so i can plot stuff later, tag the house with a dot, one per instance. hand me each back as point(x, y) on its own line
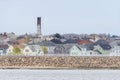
point(75, 51)
point(11, 35)
point(115, 51)
point(115, 43)
point(62, 49)
point(47, 46)
point(82, 50)
point(95, 37)
point(10, 50)
point(48, 38)
point(102, 46)
point(59, 49)
point(15, 49)
point(87, 49)
point(23, 40)
point(32, 50)
point(102, 49)
point(20, 46)
point(13, 42)
point(68, 47)
point(3, 49)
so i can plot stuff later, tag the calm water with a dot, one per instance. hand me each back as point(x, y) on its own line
point(59, 74)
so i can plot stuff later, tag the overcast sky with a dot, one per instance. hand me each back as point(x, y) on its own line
point(60, 16)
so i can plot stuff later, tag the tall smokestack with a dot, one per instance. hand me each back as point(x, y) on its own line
point(39, 25)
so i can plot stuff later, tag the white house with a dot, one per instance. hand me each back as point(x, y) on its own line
point(75, 51)
point(115, 51)
point(33, 50)
point(83, 50)
point(10, 49)
point(49, 45)
point(87, 50)
point(3, 49)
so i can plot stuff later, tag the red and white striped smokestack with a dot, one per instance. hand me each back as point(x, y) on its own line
point(39, 25)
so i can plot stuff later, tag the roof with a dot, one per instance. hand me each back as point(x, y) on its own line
point(88, 46)
point(105, 46)
point(20, 37)
point(19, 46)
point(34, 48)
point(46, 43)
point(71, 41)
point(100, 42)
point(3, 46)
point(56, 41)
point(116, 48)
point(81, 42)
point(115, 43)
point(13, 42)
point(23, 40)
point(68, 46)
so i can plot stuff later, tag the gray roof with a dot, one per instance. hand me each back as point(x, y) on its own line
point(115, 43)
point(116, 47)
point(3, 46)
point(46, 43)
point(34, 48)
point(1, 42)
point(105, 46)
point(101, 42)
point(68, 46)
point(87, 46)
point(71, 41)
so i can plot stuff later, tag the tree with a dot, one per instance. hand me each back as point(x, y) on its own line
point(57, 36)
point(16, 50)
point(45, 49)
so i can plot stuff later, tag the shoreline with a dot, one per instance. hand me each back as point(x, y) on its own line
point(59, 68)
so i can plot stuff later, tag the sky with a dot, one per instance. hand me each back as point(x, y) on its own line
point(60, 16)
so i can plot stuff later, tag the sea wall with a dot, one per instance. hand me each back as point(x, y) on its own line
point(60, 62)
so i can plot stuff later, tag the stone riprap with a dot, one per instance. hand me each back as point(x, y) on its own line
point(60, 62)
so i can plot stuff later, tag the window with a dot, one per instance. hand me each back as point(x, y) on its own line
point(9, 50)
point(90, 52)
point(26, 50)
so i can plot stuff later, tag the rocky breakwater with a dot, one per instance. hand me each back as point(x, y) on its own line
point(57, 62)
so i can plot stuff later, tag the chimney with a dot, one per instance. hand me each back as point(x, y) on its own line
point(39, 25)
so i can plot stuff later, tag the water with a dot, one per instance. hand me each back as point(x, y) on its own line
point(17, 74)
